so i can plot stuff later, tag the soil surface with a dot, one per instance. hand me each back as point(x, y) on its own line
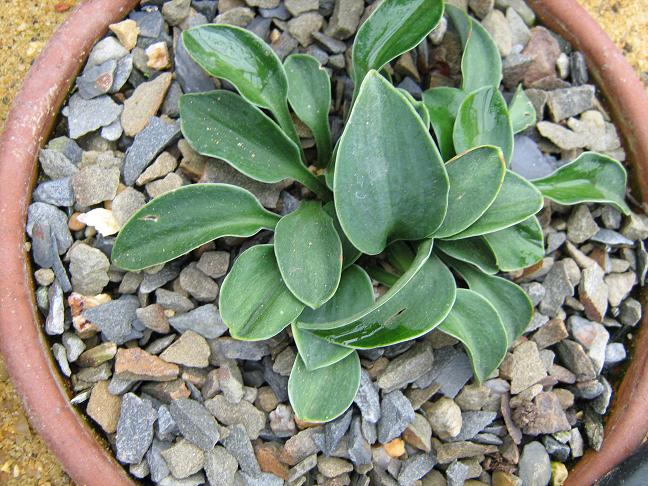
point(26, 25)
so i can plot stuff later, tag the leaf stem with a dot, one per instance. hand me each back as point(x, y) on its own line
point(316, 185)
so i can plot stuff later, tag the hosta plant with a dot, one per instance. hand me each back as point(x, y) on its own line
point(415, 195)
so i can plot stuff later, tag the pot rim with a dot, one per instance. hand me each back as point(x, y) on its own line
point(28, 125)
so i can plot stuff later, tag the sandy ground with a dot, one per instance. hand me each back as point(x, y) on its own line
point(25, 26)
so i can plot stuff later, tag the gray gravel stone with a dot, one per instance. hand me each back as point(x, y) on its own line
point(457, 473)
point(200, 286)
point(243, 413)
point(345, 19)
point(183, 459)
point(48, 229)
point(126, 203)
point(415, 467)
point(85, 116)
point(230, 381)
point(97, 80)
point(592, 336)
point(557, 450)
point(105, 50)
point(593, 292)
point(235, 349)
point(451, 370)
point(367, 398)
point(68, 147)
point(300, 469)
point(89, 269)
point(558, 286)
point(191, 350)
point(576, 360)
point(535, 465)
point(238, 444)
point(473, 423)
point(55, 164)
point(58, 351)
point(220, 467)
point(529, 161)
point(564, 103)
point(122, 73)
point(196, 424)
point(190, 75)
point(57, 192)
point(173, 300)
point(193, 480)
point(329, 439)
point(74, 346)
point(526, 367)
point(407, 368)
point(147, 145)
point(166, 428)
point(263, 479)
point(204, 320)
point(396, 414)
point(55, 321)
point(114, 318)
point(359, 449)
point(95, 184)
point(581, 225)
point(214, 263)
point(134, 429)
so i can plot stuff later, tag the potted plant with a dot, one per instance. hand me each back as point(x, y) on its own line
point(280, 281)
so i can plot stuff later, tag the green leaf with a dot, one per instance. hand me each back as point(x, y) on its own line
point(422, 254)
point(521, 111)
point(309, 94)
point(475, 178)
point(254, 301)
point(400, 256)
point(475, 322)
point(418, 106)
point(243, 59)
point(519, 246)
point(382, 276)
point(481, 63)
point(315, 351)
point(393, 28)
point(443, 105)
point(404, 312)
point(309, 253)
point(221, 124)
point(390, 182)
point(326, 393)
point(483, 119)
point(591, 177)
point(511, 302)
point(179, 221)
point(349, 252)
point(471, 250)
point(354, 294)
point(517, 200)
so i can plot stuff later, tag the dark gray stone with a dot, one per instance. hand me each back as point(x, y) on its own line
point(85, 116)
point(122, 73)
point(451, 370)
point(367, 398)
point(359, 448)
point(457, 473)
point(330, 438)
point(196, 424)
point(280, 12)
point(55, 164)
point(234, 349)
point(97, 80)
point(578, 68)
point(611, 238)
point(396, 414)
point(166, 428)
point(157, 465)
point(568, 102)
point(68, 147)
point(147, 145)
point(154, 281)
point(278, 383)
point(150, 22)
point(238, 444)
point(557, 450)
point(114, 318)
point(207, 8)
point(301, 468)
point(415, 467)
point(134, 429)
point(57, 192)
point(204, 320)
point(48, 229)
point(192, 78)
point(407, 368)
point(529, 161)
point(472, 423)
point(173, 300)
point(332, 45)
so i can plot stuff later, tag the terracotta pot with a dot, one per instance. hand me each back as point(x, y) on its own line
point(45, 397)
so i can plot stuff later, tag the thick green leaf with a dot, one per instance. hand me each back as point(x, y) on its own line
point(483, 119)
point(181, 220)
point(443, 105)
point(521, 111)
point(315, 351)
point(324, 394)
point(400, 256)
point(254, 301)
point(349, 252)
point(517, 200)
point(222, 124)
point(591, 177)
point(354, 294)
point(382, 276)
point(519, 246)
point(390, 182)
point(309, 94)
point(393, 28)
point(243, 59)
point(418, 106)
point(481, 64)
point(475, 322)
point(309, 253)
point(471, 250)
point(475, 178)
point(511, 302)
point(422, 254)
point(404, 312)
